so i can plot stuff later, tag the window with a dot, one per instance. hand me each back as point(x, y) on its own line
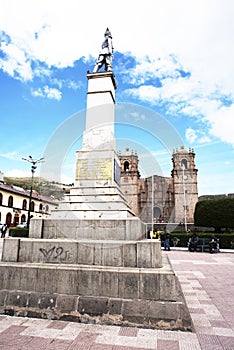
point(32, 205)
point(157, 213)
point(8, 219)
point(24, 205)
point(184, 163)
point(23, 218)
point(41, 207)
point(1, 198)
point(126, 166)
point(10, 202)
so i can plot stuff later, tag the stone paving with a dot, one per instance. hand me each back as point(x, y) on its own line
point(207, 283)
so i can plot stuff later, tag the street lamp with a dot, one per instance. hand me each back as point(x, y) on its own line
point(185, 203)
point(33, 169)
point(152, 204)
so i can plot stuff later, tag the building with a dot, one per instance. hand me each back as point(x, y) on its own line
point(157, 198)
point(14, 202)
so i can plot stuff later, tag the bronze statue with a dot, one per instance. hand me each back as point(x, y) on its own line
point(106, 54)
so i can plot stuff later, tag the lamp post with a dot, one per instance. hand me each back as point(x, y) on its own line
point(152, 204)
point(185, 203)
point(33, 169)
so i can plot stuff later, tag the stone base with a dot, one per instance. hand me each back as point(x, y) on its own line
point(98, 310)
point(130, 296)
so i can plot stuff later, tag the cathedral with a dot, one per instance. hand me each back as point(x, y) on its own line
point(161, 199)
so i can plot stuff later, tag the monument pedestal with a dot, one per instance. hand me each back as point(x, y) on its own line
point(90, 261)
point(128, 296)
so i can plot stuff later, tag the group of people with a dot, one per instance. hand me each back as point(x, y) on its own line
point(192, 244)
point(194, 240)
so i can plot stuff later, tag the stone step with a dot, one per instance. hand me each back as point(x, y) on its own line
point(102, 281)
point(93, 198)
point(91, 214)
point(76, 228)
point(100, 190)
point(141, 254)
point(99, 205)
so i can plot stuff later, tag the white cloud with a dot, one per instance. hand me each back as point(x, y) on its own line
point(190, 135)
point(47, 92)
point(10, 155)
point(204, 139)
point(37, 93)
point(222, 125)
point(52, 93)
point(57, 33)
point(191, 98)
point(75, 85)
point(198, 136)
point(147, 93)
point(70, 84)
point(164, 36)
point(16, 63)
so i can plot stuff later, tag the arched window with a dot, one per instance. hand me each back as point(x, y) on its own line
point(47, 208)
point(126, 166)
point(24, 205)
point(157, 213)
point(16, 219)
point(8, 219)
point(10, 202)
point(1, 198)
point(41, 207)
point(23, 218)
point(32, 206)
point(184, 163)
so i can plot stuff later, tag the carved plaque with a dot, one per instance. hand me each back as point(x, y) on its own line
point(94, 169)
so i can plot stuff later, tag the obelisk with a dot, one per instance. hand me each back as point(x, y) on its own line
point(97, 192)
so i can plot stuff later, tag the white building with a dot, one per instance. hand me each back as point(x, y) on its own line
point(14, 204)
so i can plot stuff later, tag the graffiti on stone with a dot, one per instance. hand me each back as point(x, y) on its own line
point(56, 254)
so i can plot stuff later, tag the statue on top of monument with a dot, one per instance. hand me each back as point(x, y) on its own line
point(106, 54)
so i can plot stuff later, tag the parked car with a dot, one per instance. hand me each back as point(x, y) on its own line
point(22, 225)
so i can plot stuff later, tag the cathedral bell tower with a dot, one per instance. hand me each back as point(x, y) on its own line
point(129, 178)
point(184, 176)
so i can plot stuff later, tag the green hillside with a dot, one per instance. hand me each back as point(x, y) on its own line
point(42, 186)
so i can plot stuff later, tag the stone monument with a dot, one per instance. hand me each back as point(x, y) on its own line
point(91, 261)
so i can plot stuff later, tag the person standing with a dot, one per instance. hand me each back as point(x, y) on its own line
point(213, 244)
point(3, 231)
point(167, 242)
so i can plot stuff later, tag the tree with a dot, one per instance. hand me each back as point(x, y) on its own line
point(217, 213)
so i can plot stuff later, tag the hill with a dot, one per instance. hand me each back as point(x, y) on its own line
point(42, 186)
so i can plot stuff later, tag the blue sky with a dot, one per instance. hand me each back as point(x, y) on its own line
point(173, 63)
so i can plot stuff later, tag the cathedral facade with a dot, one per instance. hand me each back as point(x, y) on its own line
point(157, 198)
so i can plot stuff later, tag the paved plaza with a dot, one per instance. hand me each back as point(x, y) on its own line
point(208, 286)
